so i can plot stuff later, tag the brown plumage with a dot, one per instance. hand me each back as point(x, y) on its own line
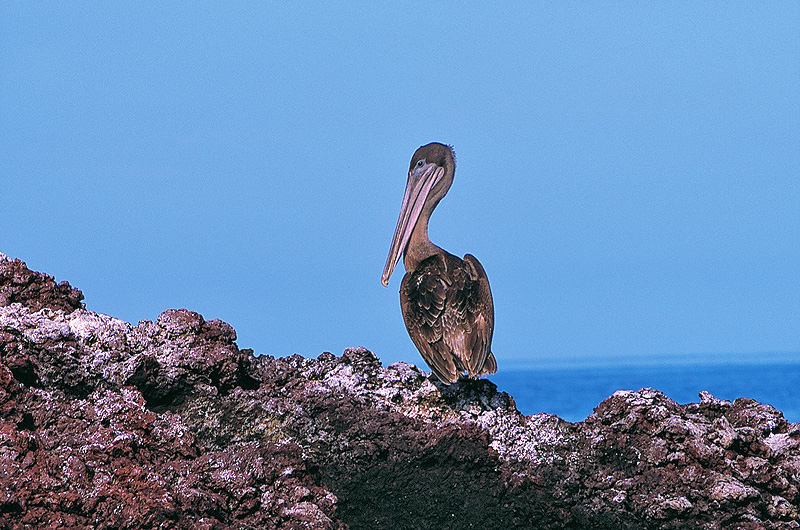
point(446, 301)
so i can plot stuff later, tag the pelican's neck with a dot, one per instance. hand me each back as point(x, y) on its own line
point(419, 246)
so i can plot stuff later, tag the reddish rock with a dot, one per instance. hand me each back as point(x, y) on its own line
point(87, 440)
point(18, 284)
point(167, 424)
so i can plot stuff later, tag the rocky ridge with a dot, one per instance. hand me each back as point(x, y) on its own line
point(168, 424)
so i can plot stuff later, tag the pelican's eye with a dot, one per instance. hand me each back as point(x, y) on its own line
point(420, 162)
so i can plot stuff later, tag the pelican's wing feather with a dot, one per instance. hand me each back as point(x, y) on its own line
point(449, 315)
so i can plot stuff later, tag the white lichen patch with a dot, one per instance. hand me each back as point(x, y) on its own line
point(730, 489)
point(782, 443)
point(91, 326)
point(38, 326)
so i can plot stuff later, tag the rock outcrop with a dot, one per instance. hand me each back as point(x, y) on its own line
point(168, 424)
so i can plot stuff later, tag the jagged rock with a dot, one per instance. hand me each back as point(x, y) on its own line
point(167, 424)
point(34, 289)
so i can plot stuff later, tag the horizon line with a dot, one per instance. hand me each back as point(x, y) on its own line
point(658, 360)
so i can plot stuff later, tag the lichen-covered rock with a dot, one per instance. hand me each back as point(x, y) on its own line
point(167, 424)
point(108, 462)
point(82, 351)
point(87, 439)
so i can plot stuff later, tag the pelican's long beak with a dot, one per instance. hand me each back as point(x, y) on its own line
point(420, 183)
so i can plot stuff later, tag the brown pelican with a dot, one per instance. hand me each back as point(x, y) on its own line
point(446, 301)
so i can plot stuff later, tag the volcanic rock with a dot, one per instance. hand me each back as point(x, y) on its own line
point(168, 424)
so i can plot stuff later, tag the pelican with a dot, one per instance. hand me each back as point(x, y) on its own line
point(446, 301)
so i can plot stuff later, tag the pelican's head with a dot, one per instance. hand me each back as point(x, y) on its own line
point(430, 175)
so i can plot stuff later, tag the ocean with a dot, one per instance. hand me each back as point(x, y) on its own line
point(572, 393)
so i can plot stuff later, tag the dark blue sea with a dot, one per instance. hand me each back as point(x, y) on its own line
point(572, 393)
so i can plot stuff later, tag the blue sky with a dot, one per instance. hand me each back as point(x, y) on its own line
point(628, 174)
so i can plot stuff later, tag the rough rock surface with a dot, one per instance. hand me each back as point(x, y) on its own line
point(168, 424)
point(34, 289)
